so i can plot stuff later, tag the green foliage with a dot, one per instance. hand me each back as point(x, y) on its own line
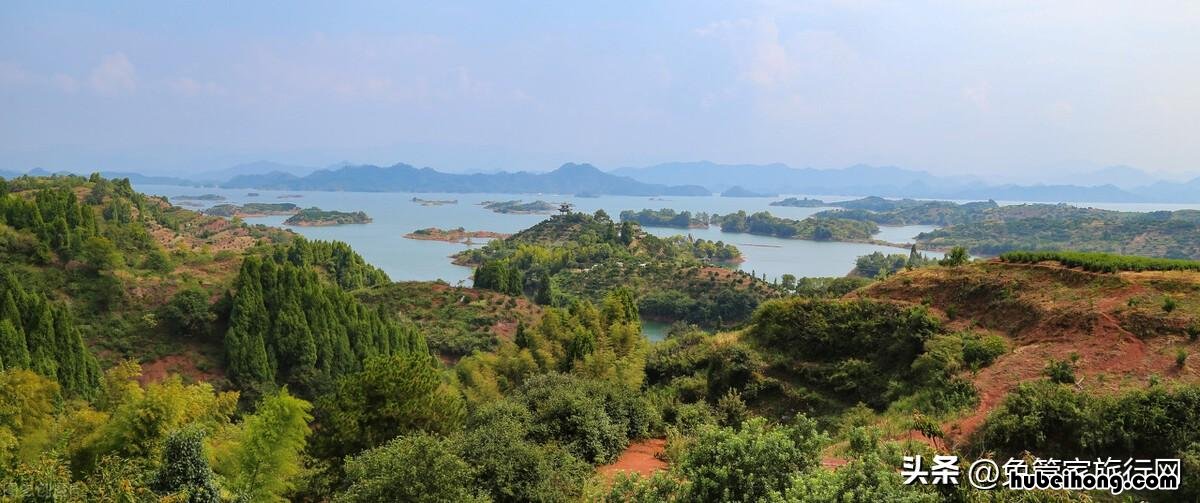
point(265, 454)
point(317, 216)
point(1053, 419)
point(593, 420)
point(1102, 262)
point(188, 312)
point(1169, 304)
point(509, 466)
point(666, 217)
point(857, 349)
point(873, 474)
point(749, 463)
point(420, 468)
point(1181, 357)
point(1036, 227)
point(391, 396)
point(818, 229)
point(1060, 371)
point(27, 407)
point(877, 264)
point(185, 473)
point(289, 326)
point(43, 336)
point(957, 256)
point(579, 256)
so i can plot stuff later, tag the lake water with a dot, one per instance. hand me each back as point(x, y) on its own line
point(382, 242)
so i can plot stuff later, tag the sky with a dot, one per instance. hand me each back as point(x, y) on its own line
point(999, 89)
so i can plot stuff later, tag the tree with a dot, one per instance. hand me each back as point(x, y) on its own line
point(27, 405)
point(421, 468)
point(267, 452)
point(185, 471)
point(391, 396)
point(14, 353)
point(750, 463)
point(956, 257)
point(510, 467)
point(188, 312)
point(99, 254)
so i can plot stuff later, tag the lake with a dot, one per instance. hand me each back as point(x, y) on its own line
point(382, 242)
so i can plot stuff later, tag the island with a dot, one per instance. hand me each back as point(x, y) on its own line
point(456, 235)
point(538, 207)
point(290, 196)
point(316, 217)
point(816, 229)
point(252, 210)
point(795, 202)
point(433, 202)
point(739, 191)
point(202, 197)
point(252, 194)
point(666, 217)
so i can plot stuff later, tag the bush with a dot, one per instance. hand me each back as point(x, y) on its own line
point(188, 312)
point(418, 468)
point(750, 463)
point(1102, 262)
point(956, 257)
point(1169, 304)
point(1060, 371)
point(1181, 357)
point(594, 420)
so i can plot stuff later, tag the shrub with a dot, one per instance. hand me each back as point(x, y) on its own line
point(188, 312)
point(1060, 371)
point(1102, 262)
point(956, 257)
point(1181, 357)
point(1169, 304)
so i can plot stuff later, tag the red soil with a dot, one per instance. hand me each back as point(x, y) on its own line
point(640, 457)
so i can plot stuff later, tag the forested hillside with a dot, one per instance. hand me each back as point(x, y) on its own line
point(150, 353)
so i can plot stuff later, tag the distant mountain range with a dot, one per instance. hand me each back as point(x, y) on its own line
point(254, 168)
point(889, 181)
point(1116, 184)
point(568, 179)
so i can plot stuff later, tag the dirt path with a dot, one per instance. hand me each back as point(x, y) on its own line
point(641, 457)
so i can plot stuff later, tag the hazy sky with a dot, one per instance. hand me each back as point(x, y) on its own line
point(960, 87)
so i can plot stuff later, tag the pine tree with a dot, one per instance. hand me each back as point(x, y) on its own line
point(185, 469)
point(245, 347)
point(13, 350)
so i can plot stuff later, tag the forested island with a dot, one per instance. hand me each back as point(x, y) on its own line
point(434, 202)
point(666, 217)
point(316, 217)
point(202, 197)
point(987, 228)
point(816, 229)
point(252, 210)
point(801, 203)
point(739, 191)
point(456, 235)
point(538, 207)
point(150, 353)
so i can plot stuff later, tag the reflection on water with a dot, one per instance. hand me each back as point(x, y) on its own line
point(655, 331)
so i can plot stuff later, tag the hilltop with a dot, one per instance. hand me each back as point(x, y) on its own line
point(581, 256)
point(1117, 324)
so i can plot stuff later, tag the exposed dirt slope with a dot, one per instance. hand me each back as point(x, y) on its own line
point(1117, 324)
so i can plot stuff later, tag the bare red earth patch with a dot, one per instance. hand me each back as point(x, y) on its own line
point(640, 457)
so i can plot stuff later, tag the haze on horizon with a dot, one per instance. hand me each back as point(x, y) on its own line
point(997, 89)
